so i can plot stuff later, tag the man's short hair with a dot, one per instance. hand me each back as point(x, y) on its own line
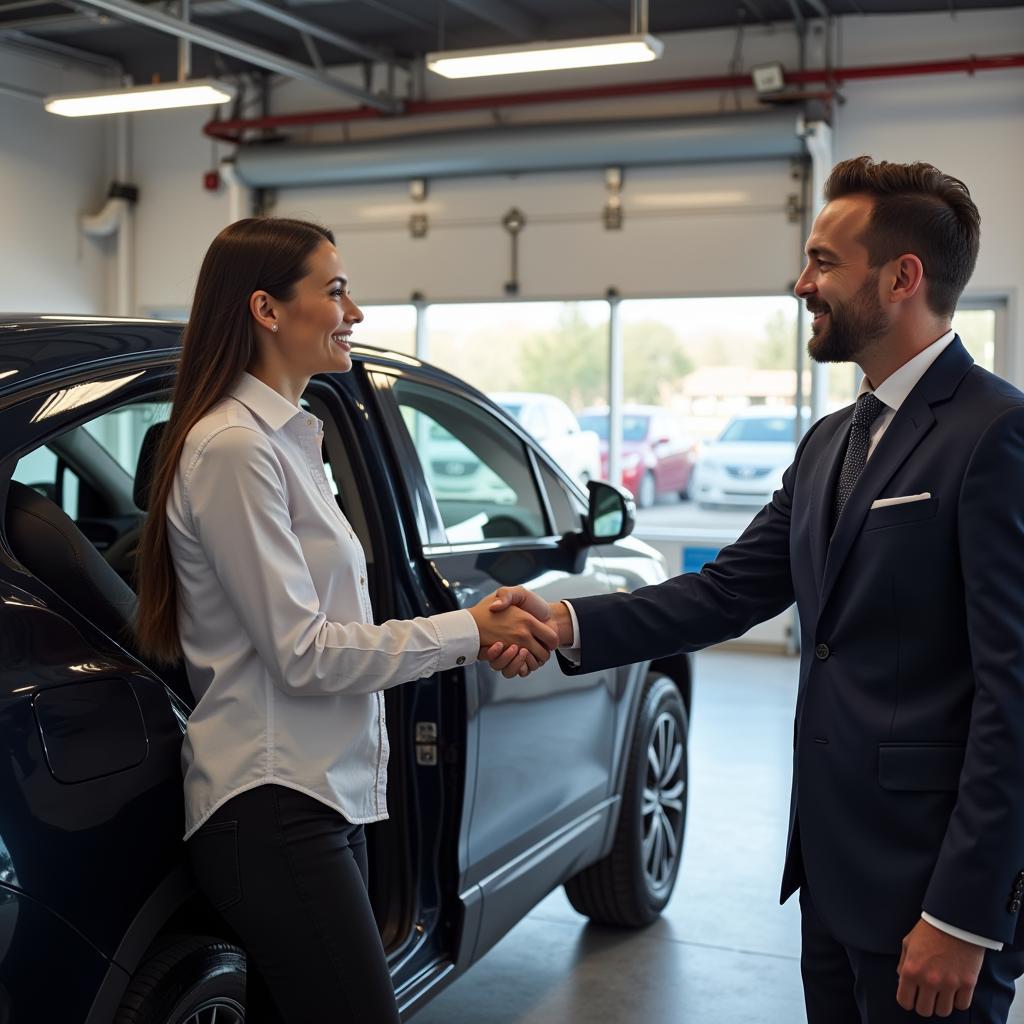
point(918, 210)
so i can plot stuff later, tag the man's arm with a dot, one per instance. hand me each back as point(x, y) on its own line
point(980, 866)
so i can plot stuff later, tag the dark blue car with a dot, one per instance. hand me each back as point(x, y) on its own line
point(500, 789)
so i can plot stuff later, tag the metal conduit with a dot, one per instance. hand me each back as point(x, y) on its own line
point(514, 149)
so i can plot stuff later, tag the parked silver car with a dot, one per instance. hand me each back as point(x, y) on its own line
point(743, 467)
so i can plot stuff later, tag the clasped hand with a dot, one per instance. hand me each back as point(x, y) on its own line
point(517, 631)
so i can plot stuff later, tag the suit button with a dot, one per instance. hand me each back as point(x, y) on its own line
point(1014, 906)
point(821, 652)
point(460, 660)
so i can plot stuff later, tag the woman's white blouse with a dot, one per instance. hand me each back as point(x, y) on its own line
point(275, 619)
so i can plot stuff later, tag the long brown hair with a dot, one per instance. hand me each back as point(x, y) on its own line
point(917, 209)
point(257, 254)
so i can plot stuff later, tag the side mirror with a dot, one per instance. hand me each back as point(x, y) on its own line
point(611, 514)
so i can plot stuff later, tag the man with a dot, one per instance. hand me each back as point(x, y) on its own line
point(899, 532)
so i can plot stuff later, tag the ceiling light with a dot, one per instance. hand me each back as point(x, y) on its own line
point(555, 56)
point(197, 92)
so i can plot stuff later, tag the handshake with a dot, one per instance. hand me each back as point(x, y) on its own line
point(519, 630)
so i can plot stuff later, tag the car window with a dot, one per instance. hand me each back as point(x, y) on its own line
point(121, 431)
point(762, 428)
point(568, 511)
point(477, 470)
point(597, 422)
point(44, 472)
point(119, 434)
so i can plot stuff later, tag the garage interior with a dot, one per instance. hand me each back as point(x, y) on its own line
point(485, 224)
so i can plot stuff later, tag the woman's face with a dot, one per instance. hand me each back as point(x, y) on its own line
point(315, 325)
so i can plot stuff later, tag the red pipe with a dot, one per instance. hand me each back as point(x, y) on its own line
point(231, 131)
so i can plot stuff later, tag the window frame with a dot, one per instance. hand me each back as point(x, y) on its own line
point(435, 540)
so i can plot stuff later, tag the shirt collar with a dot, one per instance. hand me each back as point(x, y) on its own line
point(894, 389)
point(263, 401)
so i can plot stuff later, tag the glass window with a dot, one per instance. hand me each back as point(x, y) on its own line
point(388, 327)
point(121, 431)
point(977, 330)
point(44, 472)
point(520, 343)
point(477, 470)
point(567, 509)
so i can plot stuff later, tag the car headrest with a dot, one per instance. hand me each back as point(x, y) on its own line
point(146, 465)
point(55, 551)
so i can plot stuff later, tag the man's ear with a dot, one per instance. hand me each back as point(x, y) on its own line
point(907, 277)
point(261, 305)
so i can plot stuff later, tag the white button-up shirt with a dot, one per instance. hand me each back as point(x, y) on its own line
point(275, 620)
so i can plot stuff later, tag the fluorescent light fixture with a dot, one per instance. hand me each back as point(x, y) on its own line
point(197, 92)
point(555, 56)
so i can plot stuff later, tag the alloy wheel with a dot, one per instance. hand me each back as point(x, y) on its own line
point(662, 806)
point(220, 1010)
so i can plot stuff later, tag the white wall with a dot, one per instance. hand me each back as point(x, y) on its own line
point(176, 218)
point(969, 126)
point(52, 170)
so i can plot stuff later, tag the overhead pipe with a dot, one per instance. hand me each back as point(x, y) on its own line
point(231, 131)
point(767, 135)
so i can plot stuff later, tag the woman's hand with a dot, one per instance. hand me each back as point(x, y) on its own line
point(514, 639)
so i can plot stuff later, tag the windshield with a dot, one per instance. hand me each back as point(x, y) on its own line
point(764, 428)
point(634, 428)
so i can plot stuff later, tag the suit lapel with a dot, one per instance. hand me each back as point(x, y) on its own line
point(909, 426)
point(822, 497)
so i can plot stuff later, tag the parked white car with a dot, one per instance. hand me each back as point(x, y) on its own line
point(553, 424)
point(744, 466)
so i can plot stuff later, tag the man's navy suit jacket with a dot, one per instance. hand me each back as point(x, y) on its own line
point(908, 777)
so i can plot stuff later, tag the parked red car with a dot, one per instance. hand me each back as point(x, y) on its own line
point(657, 458)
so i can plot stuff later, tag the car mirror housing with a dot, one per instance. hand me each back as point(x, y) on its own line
point(611, 514)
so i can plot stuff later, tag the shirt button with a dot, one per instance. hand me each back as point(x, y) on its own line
point(460, 660)
point(821, 652)
point(362, 579)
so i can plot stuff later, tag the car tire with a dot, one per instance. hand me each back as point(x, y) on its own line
point(647, 492)
point(183, 980)
point(632, 885)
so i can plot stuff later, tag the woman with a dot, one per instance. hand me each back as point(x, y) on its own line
point(255, 577)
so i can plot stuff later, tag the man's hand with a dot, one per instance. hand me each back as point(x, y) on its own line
point(514, 639)
point(937, 971)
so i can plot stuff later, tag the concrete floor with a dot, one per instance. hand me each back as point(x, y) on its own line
point(724, 950)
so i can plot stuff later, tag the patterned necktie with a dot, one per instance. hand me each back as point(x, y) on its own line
point(867, 410)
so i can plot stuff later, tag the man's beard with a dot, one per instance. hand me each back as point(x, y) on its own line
point(850, 328)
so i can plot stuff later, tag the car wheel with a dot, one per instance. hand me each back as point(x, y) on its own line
point(647, 491)
point(631, 886)
point(187, 980)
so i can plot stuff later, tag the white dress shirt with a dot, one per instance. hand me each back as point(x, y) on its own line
point(275, 620)
point(893, 392)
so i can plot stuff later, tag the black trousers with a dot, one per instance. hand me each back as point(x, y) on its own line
point(288, 875)
point(843, 985)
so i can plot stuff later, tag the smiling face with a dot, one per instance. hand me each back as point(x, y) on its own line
point(839, 286)
point(315, 325)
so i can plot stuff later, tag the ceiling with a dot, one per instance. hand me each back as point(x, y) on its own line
point(398, 29)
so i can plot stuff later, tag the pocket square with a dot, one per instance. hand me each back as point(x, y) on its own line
point(906, 499)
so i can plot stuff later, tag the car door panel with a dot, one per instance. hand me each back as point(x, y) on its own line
point(543, 744)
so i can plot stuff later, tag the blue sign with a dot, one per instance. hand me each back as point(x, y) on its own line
point(694, 559)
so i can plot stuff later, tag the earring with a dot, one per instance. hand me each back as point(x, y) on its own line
point(274, 328)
